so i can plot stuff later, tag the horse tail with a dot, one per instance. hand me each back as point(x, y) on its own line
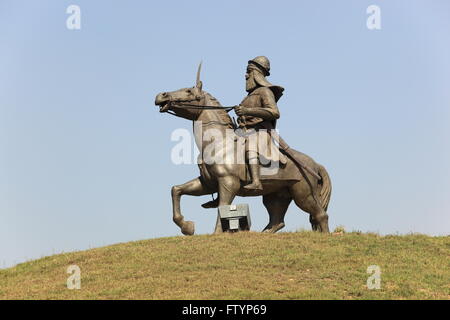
point(325, 189)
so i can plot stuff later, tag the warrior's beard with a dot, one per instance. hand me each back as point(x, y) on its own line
point(250, 84)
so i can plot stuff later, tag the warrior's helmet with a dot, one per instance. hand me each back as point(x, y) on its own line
point(261, 66)
point(263, 63)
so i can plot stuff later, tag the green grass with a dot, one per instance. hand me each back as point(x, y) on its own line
point(300, 265)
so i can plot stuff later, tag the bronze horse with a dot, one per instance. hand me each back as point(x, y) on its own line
point(309, 193)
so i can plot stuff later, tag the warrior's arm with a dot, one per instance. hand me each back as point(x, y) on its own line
point(269, 109)
point(262, 113)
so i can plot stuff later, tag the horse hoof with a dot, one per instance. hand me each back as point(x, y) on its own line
point(188, 228)
point(274, 228)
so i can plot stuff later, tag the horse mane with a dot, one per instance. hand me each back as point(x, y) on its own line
point(212, 100)
point(223, 115)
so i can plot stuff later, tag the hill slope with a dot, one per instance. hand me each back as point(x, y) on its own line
point(303, 265)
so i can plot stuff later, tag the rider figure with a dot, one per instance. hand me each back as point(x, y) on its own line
point(258, 111)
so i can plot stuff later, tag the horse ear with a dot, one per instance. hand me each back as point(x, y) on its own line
point(198, 83)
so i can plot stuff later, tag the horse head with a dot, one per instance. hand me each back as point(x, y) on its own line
point(173, 101)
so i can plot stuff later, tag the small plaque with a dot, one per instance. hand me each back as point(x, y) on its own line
point(235, 217)
point(234, 224)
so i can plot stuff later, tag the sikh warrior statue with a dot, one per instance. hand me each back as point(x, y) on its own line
point(257, 116)
point(258, 111)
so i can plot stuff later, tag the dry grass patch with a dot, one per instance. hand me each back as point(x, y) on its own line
point(300, 265)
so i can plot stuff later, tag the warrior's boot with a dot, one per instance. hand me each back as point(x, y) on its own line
point(256, 183)
point(211, 204)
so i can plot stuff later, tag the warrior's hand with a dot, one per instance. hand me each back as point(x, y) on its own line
point(240, 110)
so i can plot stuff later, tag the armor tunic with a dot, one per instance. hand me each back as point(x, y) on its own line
point(261, 97)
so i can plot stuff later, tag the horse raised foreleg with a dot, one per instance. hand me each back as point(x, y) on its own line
point(194, 187)
point(228, 188)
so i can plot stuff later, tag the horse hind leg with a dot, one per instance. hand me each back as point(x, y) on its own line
point(276, 205)
point(310, 204)
point(314, 223)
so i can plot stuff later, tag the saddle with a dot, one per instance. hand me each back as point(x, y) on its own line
point(263, 144)
point(269, 170)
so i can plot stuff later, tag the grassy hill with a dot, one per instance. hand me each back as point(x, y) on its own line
point(301, 265)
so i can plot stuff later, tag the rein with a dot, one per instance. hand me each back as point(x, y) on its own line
point(186, 104)
point(202, 107)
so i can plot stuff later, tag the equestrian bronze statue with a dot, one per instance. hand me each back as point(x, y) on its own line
point(269, 167)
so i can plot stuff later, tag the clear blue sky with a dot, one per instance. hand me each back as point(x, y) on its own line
point(85, 155)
